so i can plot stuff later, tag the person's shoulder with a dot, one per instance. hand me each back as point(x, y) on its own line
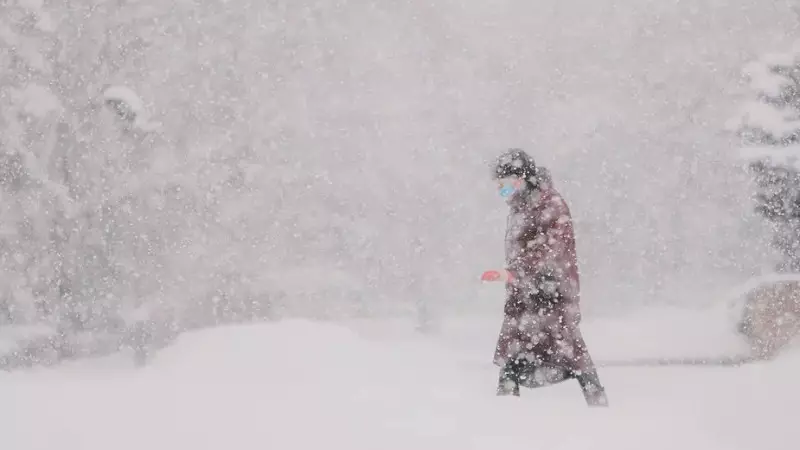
point(548, 193)
point(552, 200)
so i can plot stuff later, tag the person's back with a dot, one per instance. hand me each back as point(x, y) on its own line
point(540, 238)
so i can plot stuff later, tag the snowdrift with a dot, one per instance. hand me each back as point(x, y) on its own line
point(306, 385)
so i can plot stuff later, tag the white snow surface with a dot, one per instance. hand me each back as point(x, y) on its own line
point(377, 385)
point(788, 156)
point(778, 122)
point(125, 94)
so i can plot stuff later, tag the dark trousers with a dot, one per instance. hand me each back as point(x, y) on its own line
point(520, 372)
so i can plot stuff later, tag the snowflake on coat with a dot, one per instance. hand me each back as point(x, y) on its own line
point(540, 244)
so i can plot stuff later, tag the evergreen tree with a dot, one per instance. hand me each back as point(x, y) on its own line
point(769, 127)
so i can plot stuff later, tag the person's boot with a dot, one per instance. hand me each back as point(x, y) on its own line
point(593, 391)
point(508, 384)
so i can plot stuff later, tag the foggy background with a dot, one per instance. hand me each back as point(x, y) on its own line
point(333, 158)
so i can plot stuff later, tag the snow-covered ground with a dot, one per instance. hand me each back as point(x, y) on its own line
point(378, 385)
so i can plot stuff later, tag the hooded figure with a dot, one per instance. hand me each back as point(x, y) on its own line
point(540, 342)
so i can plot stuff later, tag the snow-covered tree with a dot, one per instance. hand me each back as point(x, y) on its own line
point(80, 235)
point(105, 211)
point(769, 126)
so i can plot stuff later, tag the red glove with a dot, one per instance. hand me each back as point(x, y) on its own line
point(496, 275)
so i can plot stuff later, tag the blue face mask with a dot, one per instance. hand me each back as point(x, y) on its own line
point(507, 188)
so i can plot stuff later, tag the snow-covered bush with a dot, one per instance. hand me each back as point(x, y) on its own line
point(770, 318)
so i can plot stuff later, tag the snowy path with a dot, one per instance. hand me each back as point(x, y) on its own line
point(301, 385)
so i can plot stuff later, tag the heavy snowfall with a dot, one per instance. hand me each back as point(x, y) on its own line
point(262, 224)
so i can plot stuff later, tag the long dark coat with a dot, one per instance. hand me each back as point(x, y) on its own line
point(542, 309)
